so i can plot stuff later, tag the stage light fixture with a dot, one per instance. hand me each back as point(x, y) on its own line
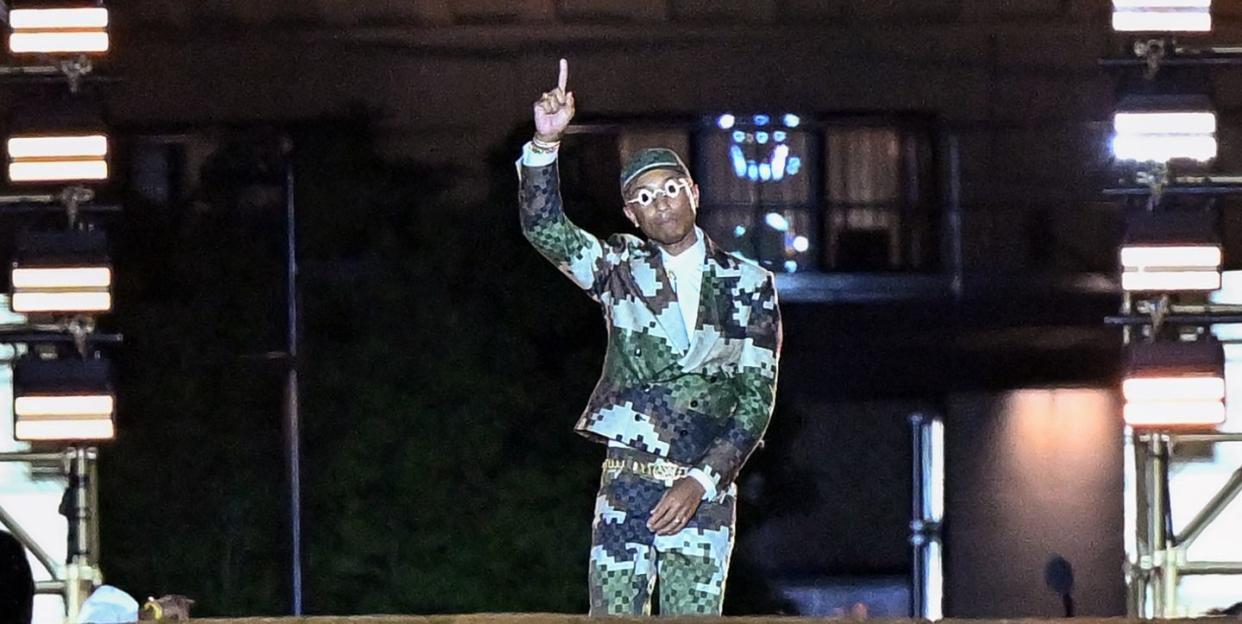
point(63, 399)
point(59, 30)
point(57, 140)
point(1174, 384)
point(1171, 252)
point(1163, 128)
point(68, 157)
point(1162, 16)
point(61, 273)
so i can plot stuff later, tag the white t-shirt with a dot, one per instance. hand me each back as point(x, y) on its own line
point(685, 271)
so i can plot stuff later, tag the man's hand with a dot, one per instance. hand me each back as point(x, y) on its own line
point(676, 507)
point(554, 109)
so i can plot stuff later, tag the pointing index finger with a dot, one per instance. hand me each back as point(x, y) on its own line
point(563, 79)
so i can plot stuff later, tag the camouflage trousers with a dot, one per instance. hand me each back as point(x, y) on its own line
point(627, 559)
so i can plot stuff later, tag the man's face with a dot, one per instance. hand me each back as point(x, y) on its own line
point(671, 202)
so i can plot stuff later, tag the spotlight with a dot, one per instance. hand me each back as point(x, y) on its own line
point(63, 399)
point(57, 140)
point(1161, 128)
point(1171, 252)
point(58, 158)
point(61, 273)
point(61, 30)
point(1162, 15)
point(1175, 384)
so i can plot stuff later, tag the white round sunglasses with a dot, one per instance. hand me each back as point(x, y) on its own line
point(672, 188)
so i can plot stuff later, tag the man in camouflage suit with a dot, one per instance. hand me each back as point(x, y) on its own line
point(689, 378)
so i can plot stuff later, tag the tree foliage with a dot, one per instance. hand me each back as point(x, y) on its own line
point(442, 366)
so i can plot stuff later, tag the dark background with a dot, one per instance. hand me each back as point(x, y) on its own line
point(443, 362)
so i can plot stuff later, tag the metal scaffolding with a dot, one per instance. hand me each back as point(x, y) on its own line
point(1160, 560)
point(79, 575)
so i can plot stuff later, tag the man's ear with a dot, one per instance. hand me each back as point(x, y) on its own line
point(629, 214)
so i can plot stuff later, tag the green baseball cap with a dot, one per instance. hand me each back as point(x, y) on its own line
point(651, 158)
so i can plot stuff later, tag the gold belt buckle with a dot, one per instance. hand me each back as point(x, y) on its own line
point(666, 471)
point(639, 468)
point(658, 469)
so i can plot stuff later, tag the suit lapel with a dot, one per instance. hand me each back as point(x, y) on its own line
point(658, 294)
point(719, 282)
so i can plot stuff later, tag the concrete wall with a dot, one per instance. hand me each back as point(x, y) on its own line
point(1031, 475)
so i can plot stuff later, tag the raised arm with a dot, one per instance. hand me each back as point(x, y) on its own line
point(577, 253)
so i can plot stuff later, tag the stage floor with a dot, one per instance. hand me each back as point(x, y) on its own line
point(563, 618)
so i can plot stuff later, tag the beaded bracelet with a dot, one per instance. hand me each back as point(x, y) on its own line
point(544, 147)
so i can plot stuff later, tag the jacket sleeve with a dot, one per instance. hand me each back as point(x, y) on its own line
point(755, 385)
point(574, 251)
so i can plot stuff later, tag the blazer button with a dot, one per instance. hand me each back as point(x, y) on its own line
point(694, 403)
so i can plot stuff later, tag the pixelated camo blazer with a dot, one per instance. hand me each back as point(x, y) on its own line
point(705, 403)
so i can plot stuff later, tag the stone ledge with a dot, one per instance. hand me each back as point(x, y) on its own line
point(565, 618)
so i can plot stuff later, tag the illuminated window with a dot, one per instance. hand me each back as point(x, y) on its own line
point(877, 212)
point(756, 172)
point(766, 195)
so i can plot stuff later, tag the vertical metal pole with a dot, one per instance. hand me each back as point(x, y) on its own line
point(1156, 513)
point(1170, 558)
point(80, 574)
point(292, 415)
point(927, 587)
point(1138, 569)
point(81, 504)
point(74, 596)
point(1127, 332)
point(93, 505)
point(918, 585)
point(953, 214)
